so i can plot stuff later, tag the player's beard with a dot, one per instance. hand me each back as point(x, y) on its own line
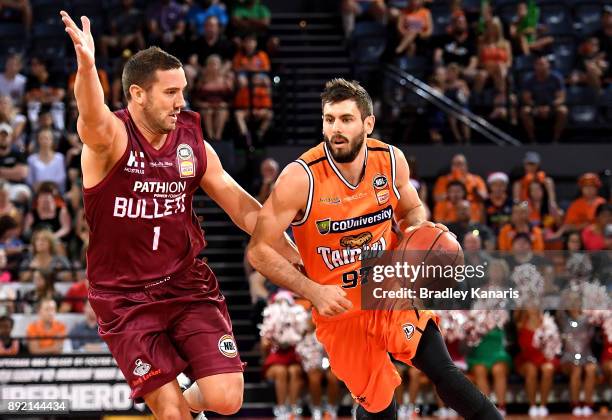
point(157, 124)
point(353, 150)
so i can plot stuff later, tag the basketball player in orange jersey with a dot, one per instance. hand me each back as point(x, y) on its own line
point(341, 198)
point(158, 306)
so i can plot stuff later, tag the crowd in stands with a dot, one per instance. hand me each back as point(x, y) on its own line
point(520, 64)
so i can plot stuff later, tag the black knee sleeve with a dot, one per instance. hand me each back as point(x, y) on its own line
point(453, 387)
point(389, 413)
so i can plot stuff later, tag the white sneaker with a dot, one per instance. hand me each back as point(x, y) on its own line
point(402, 412)
point(317, 413)
point(296, 412)
point(280, 412)
point(577, 411)
point(587, 411)
point(543, 411)
point(331, 412)
point(201, 416)
point(451, 413)
point(502, 412)
point(533, 412)
point(441, 413)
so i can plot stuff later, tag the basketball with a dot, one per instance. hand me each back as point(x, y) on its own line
point(430, 246)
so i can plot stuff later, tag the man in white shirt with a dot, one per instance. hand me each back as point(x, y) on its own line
point(12, 83)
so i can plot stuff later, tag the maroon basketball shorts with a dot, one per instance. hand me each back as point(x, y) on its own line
point(176, 324)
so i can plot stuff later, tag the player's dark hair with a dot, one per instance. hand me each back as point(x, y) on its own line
point(338, 90)
point(141, 67)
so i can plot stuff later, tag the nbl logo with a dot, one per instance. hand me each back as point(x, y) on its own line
point(408, 330)
point(227, 346)
point(136, 161)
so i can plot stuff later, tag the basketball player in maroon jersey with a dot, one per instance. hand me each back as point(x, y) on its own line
point(159, 308)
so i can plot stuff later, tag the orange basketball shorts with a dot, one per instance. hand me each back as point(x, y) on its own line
point(358, 348)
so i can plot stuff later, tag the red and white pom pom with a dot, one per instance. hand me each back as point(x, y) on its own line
point(481, 321)
point(607, 326)
point(311, 352)
point(547, 337)
point(283, 323)
point(529, 282)
point(451, 324)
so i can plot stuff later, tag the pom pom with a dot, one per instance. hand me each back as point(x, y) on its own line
point(547, 338)
point(284, 324)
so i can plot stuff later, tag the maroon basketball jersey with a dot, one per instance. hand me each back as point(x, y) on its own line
point(142, 224)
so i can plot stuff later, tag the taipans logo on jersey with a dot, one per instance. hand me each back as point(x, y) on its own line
point(227, 346)
point(334, 258)
point(408, 330)
point(185, 161)
point(381, 188)
point(141, 368)
point(328, 225)
point(135, 163)
point(356, 241)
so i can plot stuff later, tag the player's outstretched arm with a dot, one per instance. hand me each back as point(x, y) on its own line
point(97, 126)
point(288, 198)
point(239, 205)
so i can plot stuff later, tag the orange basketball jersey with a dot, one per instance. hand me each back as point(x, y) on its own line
point(341, 220)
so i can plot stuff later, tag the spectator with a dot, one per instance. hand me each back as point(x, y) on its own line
point(581, 211)
point(316, 366)
point(474, 184)
point(498, 206)
point(44, 256)
point(250, 16)
point(76, 296)
point(465, 224)
point(84, 335)
point(457, 90)
point(126, 31)
point(490, 357)
point(166, 25)
point(458, 47)
point(198, 15)
point(592, 65)
point(10, 240)
point(531, 361)
point(269, 171)
point(577, 359)
point(525, 31)
point(44, 88)
point(437, 117)
point(44, 288)
point(46, 165)
point(13, 167)
point(414, 27)
point(5, 275)
point(519, 223)
point(12, 82)
point(16, 11)
point(604, 36)
point(212, 96)
point(495, 59)
point(213, 41)
point(10, 115)
point(543, 99)
point(252, 67)
point(593, 235)
point(446, 211)
point(8, 296)
point(48, 212)
point(46, 335)
point(532, 172)
point(8, 346)
point(352, 9)
point(282, 365)
point(7, 208)
point(543, 211)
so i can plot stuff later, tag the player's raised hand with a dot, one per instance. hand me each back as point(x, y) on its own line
point(330, 300)
point(82, 40)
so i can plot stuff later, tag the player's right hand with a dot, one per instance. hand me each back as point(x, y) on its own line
point(82, 40)
point(330, 300)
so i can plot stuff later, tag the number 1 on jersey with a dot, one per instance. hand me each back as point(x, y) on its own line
point(156, 230)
